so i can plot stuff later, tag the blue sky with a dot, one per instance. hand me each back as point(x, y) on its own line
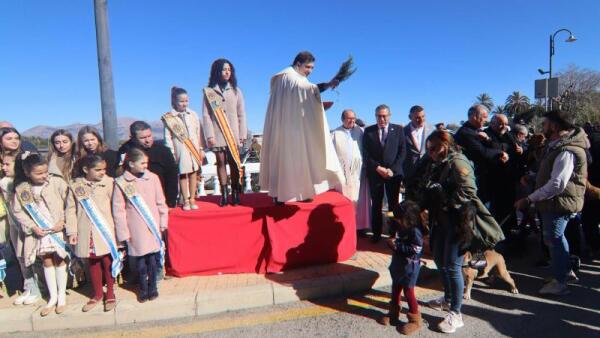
point(439, 54)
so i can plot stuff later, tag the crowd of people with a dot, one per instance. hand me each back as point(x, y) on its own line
point(480, 188)
point(485, 186)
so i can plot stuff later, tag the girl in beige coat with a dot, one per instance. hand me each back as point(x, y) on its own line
point(188, 166)
point(86, 237)
point(48, 194)
point(31, 291)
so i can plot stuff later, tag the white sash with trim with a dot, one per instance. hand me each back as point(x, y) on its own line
point(142, 208)
point(25, 196)
point(89, 206)
point(2, 269)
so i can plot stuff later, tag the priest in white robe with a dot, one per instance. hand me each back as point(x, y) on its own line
point(347, 140)
point(298, 159)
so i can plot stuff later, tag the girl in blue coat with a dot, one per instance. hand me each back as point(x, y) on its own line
point(406, 262)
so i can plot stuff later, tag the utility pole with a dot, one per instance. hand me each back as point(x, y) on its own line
point(107, 90)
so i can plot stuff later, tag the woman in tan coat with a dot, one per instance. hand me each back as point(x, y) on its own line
point(223, 81)
point(98, 188)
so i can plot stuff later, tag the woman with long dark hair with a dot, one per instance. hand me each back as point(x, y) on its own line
point(89, 142)
point(450, 187)
point(225, 125)
point(10, 141)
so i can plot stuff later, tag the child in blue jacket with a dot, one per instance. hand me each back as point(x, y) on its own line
point(406, 262)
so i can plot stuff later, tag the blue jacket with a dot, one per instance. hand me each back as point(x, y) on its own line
point(406, 259)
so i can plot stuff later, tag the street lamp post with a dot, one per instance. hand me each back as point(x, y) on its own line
point(571, 38)
point(543, 72)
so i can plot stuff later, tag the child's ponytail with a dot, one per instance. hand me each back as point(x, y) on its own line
point(410, 213)
point(175, 92)
point(24, 164)
point(134, 154)
point(88, 161)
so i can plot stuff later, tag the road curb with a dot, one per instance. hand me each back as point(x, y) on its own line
point(204, 302)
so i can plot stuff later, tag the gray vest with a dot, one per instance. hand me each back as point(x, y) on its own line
point(571, 199)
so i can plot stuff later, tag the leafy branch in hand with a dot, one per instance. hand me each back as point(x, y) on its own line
point(346, 70)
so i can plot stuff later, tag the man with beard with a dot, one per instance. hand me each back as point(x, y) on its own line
point(560, 186)
point(160, 159)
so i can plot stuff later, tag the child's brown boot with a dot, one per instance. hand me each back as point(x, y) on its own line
point(392, 317)
point(414, 324)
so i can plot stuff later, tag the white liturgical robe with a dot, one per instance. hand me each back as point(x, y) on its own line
point(348, 146)
point(298, 159)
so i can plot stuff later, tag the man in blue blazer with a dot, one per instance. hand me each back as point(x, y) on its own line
point(384, 149)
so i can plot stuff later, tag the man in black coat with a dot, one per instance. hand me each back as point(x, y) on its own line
point(384, 149)
point(160, 159)
point(504, 177)
point(475, 145)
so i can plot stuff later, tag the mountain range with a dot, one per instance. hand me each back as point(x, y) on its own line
point(44, 131)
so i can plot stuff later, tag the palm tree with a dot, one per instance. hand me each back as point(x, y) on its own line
point(516, 103)
point(500, 109)
point(486, 100)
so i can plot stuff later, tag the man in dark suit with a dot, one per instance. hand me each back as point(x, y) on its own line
point(476, 146)
point(384, 149)
point(415, 135)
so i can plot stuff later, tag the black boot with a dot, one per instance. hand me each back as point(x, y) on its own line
point(143, 281)
point(236, 191)
point(224, 195)
point(153, 262)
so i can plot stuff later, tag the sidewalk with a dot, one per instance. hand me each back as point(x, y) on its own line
point(203, 295)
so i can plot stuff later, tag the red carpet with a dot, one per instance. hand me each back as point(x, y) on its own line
point(259, 236)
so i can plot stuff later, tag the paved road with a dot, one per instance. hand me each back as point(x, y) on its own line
point(493, 312)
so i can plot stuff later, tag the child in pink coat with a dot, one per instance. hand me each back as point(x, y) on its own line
point(142, 234)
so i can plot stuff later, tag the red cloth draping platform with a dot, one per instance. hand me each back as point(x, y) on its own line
point(259, 236)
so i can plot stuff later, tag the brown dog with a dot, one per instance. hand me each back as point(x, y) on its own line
point(493, 259)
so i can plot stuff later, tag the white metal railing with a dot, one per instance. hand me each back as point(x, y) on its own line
point(209, 171)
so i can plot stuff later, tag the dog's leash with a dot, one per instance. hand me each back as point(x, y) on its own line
point(504, 220)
